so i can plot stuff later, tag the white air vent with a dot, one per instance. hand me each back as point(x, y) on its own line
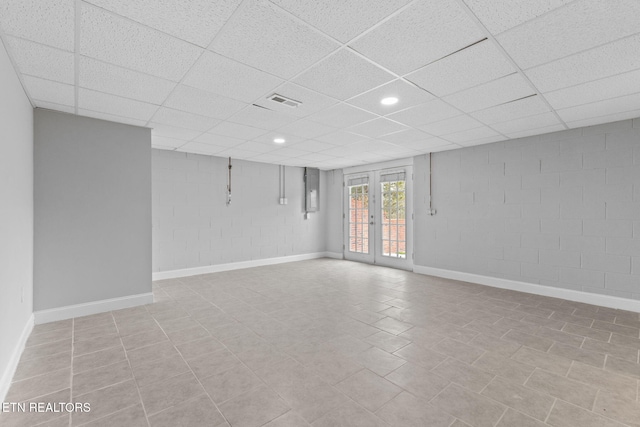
point(284, 100)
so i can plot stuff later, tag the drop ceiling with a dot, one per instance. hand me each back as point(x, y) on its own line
point(200, 72)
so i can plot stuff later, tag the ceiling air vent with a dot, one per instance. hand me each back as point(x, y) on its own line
point(284, 100)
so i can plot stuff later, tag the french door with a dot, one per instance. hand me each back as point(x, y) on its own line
point(378, 217)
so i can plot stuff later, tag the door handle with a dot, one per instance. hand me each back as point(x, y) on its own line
point(371, 223)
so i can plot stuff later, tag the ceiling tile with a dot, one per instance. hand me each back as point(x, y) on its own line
point(469, 67)
point(408, 135)
point(266, 158)
point(161, 141)
point(217, 74)
point(134, 46)
point(200, 148)
point(341, 138)
point(48, 22)
point(286, 152)
point(512, 110)
point(604, 119)
point(316, 157)
point(41, 61)
point(454, 124)
point(443, 148)
point(499, 91)
point(58, 93)
point(196, 21)
point(306, 129)
point(430, 112)
point(261, 118)
point(427, 145)
point(171, 117)
point(237, 153)
point(471, 135)
point(310, 101)
point(53, 106)
point(198, 101)
point(111, 104)
point(482, 141)
point(123, 82)
point(500, 15)
point(538, 131)
point(263, 36)
point(219, 140)
point(341, 19)
point(423, 33)
point(236, 130)
point(258, 147)
point(408, 96)
point(578, 26)
point(525, 123)
point(598, 90)
point(613, 58)
point(341, 116)
point(601, 108)
point(268, 138)
point(332, 78)
point(173, 132)
point(377, 127)
point(313, 145)
point(111, 117)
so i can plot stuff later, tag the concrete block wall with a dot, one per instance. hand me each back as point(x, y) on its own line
point(193, 226)
point(561, 210)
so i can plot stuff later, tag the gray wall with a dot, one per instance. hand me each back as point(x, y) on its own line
point(559, 210)
point(92, 210)
point(16, 214)
point(193, 226)
point(334, 225)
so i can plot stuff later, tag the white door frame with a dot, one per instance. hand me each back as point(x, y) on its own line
point(374, 255)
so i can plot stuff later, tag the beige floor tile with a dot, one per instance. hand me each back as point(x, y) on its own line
point(196, 412)
point(33, 367)
point(349, 414)
point(604, 380)
point(578, 354)
point(143, 339)
point(146, 325)
point(213, 363)
point(422, 337)
point(263, 357)
point(532, 341)
point(95, 332)
point(507, 368)
point(161, 395)
point(618, 329)
point(106, 401)
point(229, 384)
point(586, 331)
point(39, 386)
point(100, 377)
point(410, 411)
point(290, 419)
point(159, 370)
point(556, 364)
point(333, 368)
point(513, 418)
point(133, 416)
point(49, 336)
point(470, 407)
point(622, 367)
point(387, 342)
point(19, 419)
point(392, 326)
point(255, 408)
point(197, 348)
point(495, 345)
point(92, 321)
point(53, 326)
point(96, 344)
point(561, 337)
point(567, 415)
point(625, 341)
point(151, 352)
point(458, 350)
point(368, 389)
point(46, 350)
point(622, 410)
point(563, 388)
point(418, 381)
point(616, 350)
point(379, 361)
point(463, 374)
point(189, 334)
point(525, 400)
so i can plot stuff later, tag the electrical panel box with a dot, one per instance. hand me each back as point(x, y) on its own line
point(312, 189)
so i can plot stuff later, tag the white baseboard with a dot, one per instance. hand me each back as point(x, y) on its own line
point(334, 255)
point(94, 307)
point(10, 369)
point(532, 288)
point(194, 271)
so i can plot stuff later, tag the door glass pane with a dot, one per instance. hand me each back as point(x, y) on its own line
point(359, 218)
point(393, 215)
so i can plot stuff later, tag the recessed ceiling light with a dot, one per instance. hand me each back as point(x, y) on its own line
point(279, 140)
point(389, 101)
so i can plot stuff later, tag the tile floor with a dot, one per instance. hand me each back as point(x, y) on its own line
point(334, 343)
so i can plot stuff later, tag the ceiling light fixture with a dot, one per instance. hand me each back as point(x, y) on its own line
point(279, 140)
point(389, 101)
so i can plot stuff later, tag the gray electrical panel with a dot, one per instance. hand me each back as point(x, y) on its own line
point(312, 189)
